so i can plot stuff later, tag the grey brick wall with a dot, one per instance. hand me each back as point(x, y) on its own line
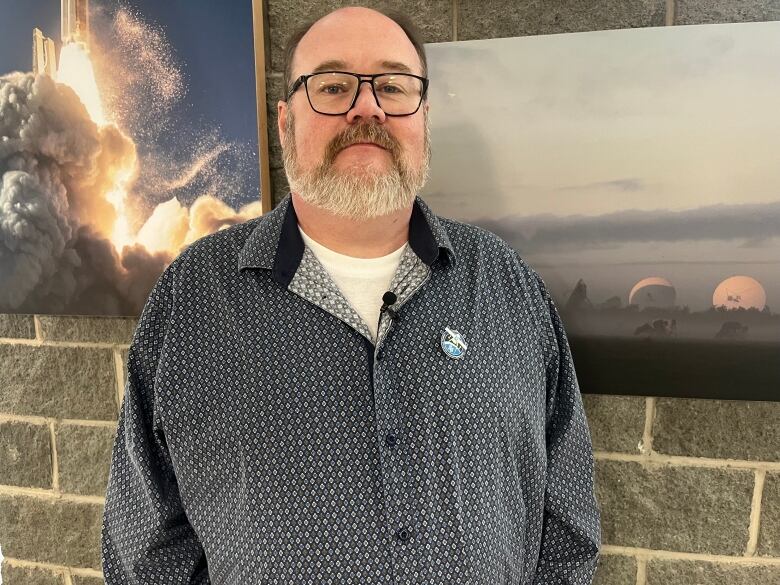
point(689, 489)
point(61, 382)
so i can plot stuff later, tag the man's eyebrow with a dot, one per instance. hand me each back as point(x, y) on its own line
point(396, 66)
point(330, 65)
point(337, 65)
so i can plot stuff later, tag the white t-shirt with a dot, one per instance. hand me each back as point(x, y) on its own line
point(363, 281)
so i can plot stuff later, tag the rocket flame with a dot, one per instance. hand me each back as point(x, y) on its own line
point(75, 69)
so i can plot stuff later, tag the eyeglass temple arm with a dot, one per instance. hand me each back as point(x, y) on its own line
point(294, 87)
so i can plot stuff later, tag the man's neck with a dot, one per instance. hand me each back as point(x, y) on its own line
point(367, 238)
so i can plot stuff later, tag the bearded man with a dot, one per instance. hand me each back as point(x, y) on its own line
point(351, 389)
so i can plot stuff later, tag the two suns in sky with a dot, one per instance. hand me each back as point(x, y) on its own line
point(736, 292)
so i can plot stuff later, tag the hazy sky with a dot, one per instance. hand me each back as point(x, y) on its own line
point(616, 149)
point(669, 118)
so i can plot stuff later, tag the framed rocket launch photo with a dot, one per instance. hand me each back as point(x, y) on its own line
point(128, 129)
point(637, 172)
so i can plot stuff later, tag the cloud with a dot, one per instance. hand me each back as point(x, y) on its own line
point(753, 223)
point(55, 165)
point(56, 170)
point(623, 185)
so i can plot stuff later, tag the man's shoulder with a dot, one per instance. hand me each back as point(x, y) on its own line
point(218, 250)
point(481, 250)
point(478, 244)
point(463, 232)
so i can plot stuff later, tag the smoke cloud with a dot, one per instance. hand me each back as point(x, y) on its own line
point(56, 167)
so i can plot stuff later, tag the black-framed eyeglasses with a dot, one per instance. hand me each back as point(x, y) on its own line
point(334, 93)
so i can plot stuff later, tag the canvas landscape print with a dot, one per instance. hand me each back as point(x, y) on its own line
point(128, 129)
point(637, 171)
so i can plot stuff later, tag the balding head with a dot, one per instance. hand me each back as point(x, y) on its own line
point(353, 24)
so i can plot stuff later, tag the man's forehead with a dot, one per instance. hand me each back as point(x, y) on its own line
point(355, 37)
point(387, 65)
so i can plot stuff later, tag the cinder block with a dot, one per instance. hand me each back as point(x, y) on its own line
point(51, 531)
point(723, 11)
point(84, 455)
point(615, 570)
point(721, 429)
point(432, 18)
point(80, 580)
point(91, 329)
point(509, 18)
point(664, 572)
point(616, 423)
point(29, 576)
point(25, 455)
point(59, 382)
point(17, 326)
point(769, 532)
point(686, 509)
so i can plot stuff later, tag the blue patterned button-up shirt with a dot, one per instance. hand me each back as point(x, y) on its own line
point(264, 438)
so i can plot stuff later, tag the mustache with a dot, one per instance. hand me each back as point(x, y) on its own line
point(363, 132)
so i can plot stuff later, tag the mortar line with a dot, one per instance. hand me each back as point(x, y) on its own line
point(48, 494)
point(55, 464)
point(45, 420)
point(67, 575)
point(682, 461)
point(40, 342)
point(646, 447)
point(641, 572)
point(755, 513)
point(669, 17)
point(648, 554)
point(25, 564)
point(120, 378)
point(38, 329)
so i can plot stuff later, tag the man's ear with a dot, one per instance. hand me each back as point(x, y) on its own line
point(281, 118)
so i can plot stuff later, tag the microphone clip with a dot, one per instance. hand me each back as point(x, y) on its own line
point(388, 299)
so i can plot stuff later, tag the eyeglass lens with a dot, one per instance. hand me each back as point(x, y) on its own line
point(332, 93)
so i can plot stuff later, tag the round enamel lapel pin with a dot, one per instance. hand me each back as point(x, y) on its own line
point(453, 343)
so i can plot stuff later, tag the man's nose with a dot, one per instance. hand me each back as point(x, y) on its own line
point(365, 105)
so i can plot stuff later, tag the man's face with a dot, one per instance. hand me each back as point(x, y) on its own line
point(323, 161)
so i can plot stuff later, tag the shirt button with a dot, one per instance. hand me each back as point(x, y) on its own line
point(403, 535)
point(391, 440)
point(379, 355)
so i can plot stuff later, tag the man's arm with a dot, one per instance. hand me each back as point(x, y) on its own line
point(146, 538)
point(571, 533)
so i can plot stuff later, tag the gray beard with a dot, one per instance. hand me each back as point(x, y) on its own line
point(356, 194)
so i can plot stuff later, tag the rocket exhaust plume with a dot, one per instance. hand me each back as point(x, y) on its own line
point(77, 232)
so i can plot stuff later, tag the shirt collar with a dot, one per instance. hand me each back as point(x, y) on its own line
point(276, 244)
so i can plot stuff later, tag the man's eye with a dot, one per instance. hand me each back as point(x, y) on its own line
point(391, 89)
point(332, 89)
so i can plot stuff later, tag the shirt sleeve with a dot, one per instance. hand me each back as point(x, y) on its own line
point(571, 531)
point(146, 537)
